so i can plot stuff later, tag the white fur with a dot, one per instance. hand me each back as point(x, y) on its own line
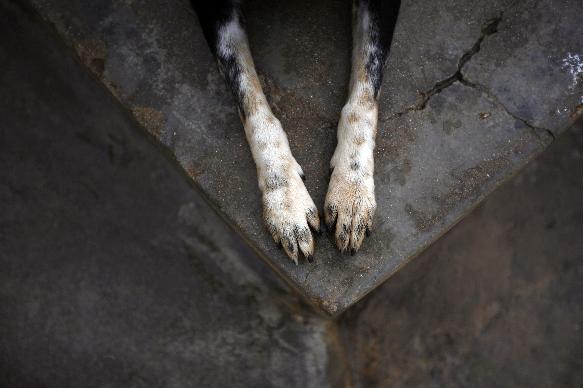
point(350, 200)
point(287, 207)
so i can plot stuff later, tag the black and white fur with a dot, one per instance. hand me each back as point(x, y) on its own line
point(288, 209)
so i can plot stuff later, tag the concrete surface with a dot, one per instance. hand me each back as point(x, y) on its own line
point(473, 90)
point(114, 272)
point(497, 302)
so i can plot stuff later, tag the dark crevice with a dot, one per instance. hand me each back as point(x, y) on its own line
point(489, 28)
point(546, 136)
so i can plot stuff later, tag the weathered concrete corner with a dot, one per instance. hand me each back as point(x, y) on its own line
point(434, 162)
point(114, 272)
point(534, 64)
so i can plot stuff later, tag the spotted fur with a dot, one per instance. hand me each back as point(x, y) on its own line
point(350, 202)
point(288, 210)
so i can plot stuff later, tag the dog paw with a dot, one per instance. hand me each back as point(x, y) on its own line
point(290, 213)
point(349, 208)
point(288, 209)
point(350, 202)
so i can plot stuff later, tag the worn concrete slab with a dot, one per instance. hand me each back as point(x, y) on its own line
point(497, 302)
point(444, 142)
point(533, 66)
point(113, 271)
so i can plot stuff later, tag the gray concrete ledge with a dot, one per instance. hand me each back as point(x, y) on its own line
point(113, 271)
point(473, 91)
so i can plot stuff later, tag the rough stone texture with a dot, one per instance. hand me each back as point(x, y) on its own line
point(113, 271)
point(442, 146)
point(497, 302)
point(534, 64)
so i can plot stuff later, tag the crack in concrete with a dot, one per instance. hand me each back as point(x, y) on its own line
point(544, 135)
point(489, 28)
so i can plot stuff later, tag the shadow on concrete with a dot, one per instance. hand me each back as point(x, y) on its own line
point(115, 273)
point(497, 302)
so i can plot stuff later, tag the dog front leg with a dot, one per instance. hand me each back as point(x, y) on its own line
point(350, 202)
point(288, 209)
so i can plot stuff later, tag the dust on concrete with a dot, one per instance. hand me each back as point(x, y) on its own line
point(578, 111)
point(394, 137)
point(468, 184)
point(91, 50)
point(93, 53)
point(399, 172)
point(449, 126)
point(193, 170)
point(149, 118)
